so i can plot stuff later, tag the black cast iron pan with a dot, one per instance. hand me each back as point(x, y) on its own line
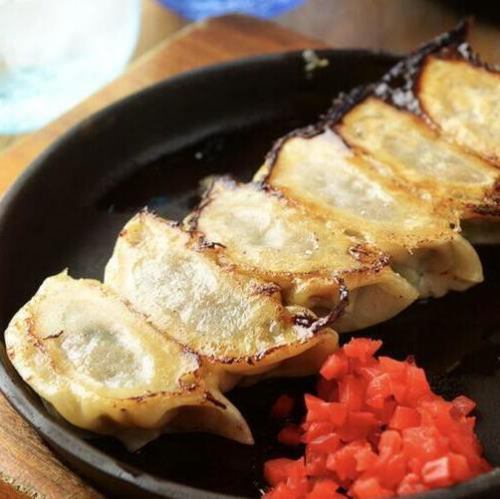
point(152, 149)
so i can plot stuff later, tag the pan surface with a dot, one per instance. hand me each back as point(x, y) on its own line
point(152, 149)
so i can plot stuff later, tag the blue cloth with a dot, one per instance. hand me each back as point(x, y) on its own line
point(199, 9)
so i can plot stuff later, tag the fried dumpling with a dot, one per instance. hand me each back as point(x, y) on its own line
point(439, 171)
point(430, 121)
point(324, 174)
point(267, 235)
point(178, 280)
point(455, 182)
point(104, 368)
point(463, 100)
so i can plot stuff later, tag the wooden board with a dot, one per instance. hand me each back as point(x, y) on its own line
point(27, 466)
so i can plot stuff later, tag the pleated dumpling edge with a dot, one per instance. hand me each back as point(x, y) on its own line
point(105, 369)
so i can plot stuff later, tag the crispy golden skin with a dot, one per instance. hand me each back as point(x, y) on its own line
point(327, 176)
point(440, 172)
point(267, 235)
point(182, 284)
point(105, 369)
point(463, 100)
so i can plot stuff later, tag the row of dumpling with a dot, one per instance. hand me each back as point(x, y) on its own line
point(181, 318)
point(407, 163)
point(250, 284)
point(173, 326)
point(431, 126)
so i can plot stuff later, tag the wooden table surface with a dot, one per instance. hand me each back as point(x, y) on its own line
point(27, 466)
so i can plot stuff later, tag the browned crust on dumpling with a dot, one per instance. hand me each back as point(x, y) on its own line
point(311, 327)
point(371, 259)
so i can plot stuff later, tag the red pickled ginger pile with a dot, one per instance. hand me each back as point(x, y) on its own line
point(376, 429)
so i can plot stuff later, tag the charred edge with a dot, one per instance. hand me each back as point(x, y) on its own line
point(491, 203)
point(366, 255)
point(145, 396)
point(346, 101)
point(266, 289)
point(33, 338)
point(251, 360)
point(464, 52)
point(210, 398)
point(486, 210)
point(199, 242)
point(307, 132)
point(142, 398)
point(204, 244)
point(372, 269)
point(53, 336)
point(258, 357)
point(269, 189)
point(303, 320)
point(175, 224)
point(191, 220)
point(150, 395)
point(403, 77)
point(224, 360)
point(337, 311)
point(400, 78)
point(228, 361)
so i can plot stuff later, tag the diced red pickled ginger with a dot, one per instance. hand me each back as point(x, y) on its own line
point(374, 429)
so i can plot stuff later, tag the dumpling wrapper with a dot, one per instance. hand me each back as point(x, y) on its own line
point(176, 279)
point(440, 172)
point(324, 174)
point(103, 368)
point(463, 100)
point(267, 235)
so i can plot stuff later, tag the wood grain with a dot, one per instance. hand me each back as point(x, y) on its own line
point(25, 462)
point(157, 24)
point(28, 468)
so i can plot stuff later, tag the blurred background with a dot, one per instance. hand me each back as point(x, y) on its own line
point(54, 53)
point(392, 25)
